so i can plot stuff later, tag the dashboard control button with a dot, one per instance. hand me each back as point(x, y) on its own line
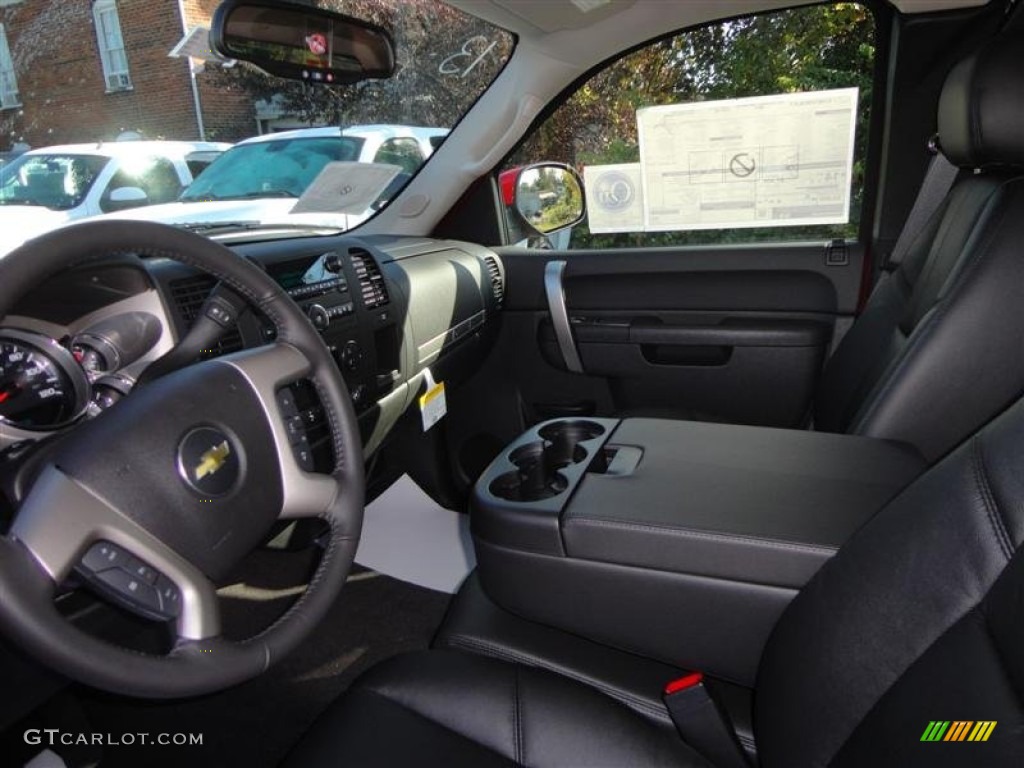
point(319, 317)
point(359, 394)
point(351, 355)
point(332, 262)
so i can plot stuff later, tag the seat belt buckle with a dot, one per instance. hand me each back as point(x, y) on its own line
point(701, 723)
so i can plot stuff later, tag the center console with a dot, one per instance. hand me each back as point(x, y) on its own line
point(680, 541)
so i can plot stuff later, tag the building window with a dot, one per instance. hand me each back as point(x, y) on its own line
point(8, 82)
point(112, 52)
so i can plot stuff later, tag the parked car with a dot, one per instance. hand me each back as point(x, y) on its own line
point(44, 188)
point(259, 180)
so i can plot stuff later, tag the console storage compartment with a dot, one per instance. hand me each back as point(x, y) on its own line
point(682, 541)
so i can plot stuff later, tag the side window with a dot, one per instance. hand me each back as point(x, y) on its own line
point(8, 81)
point(155, 176)
point(746, 131)
point(111, 44)
point(403, 152)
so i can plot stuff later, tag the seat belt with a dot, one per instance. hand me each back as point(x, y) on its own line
point(938, 180)
point(702, 723)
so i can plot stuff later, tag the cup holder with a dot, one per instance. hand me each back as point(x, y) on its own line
point(537, 464)
point(536, 476)
point(571, 431)
point(532, 485)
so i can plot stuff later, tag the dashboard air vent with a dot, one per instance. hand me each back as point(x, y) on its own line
point(371, 281)
point(497, 283)
point(188, 295)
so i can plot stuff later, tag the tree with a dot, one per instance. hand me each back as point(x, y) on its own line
point(803, 49)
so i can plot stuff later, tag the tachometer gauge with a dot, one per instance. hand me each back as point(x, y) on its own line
point(41, 385)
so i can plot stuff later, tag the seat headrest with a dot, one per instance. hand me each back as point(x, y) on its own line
point(981, 110)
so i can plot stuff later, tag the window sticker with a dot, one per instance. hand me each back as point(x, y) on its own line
point(781, 160)
point(615, 197)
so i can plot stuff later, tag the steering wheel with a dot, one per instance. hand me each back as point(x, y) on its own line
point(175, 484)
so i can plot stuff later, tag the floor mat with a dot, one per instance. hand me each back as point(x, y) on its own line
point(255, 724)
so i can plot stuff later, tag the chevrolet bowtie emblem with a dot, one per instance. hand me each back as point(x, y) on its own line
point(211, 461)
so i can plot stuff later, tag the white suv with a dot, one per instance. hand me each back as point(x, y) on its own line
point(44, 188)
point(259, 180)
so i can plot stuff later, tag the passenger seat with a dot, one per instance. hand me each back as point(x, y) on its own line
point(939, 348)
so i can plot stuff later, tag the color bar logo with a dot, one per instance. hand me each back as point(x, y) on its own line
point(958, 730)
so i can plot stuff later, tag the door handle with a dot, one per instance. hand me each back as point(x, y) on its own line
point(555, 293)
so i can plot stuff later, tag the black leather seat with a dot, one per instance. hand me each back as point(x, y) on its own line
point(936, 352)
point(919, 617)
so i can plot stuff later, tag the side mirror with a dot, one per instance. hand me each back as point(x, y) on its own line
point(123, 198)
point(547, 196)
point(301, 42)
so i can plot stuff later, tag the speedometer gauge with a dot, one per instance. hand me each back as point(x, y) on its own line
point(41, 385)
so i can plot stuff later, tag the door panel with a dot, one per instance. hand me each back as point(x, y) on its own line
point(733, 334)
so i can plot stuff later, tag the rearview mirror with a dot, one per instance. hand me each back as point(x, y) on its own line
point(302, 43)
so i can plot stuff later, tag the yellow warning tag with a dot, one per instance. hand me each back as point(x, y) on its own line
point(433, 406)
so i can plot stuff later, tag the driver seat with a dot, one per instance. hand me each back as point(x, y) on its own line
point(918, 618)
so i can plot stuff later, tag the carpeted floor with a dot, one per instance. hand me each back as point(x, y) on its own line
point(255, 724)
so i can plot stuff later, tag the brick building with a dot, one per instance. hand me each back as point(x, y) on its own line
point(84, 70)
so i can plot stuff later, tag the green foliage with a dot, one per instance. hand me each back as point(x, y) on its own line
point(805, 49)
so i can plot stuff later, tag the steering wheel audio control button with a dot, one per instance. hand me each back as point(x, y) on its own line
point(130, 582)
point(142, 571)
point(103, 556)
point(132, 589)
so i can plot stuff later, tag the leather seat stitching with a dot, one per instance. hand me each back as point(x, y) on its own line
point(690, 533)
point(517, 724)
point(995, 517)
point(633, 702)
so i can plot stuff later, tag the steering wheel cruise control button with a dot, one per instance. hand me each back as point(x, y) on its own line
point(170, 597)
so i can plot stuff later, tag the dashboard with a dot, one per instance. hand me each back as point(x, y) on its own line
point(389, 309)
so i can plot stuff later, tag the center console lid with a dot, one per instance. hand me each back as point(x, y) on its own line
point(608, 528)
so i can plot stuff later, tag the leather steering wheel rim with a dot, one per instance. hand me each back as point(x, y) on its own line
point(197, 664)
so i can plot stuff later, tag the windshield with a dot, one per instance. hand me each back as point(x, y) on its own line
point(136, 84)
point(277, 168)
point(57, 182)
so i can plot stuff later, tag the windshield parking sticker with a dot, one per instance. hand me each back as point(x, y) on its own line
point(346, 187)
point(781, 160)
point(615, 197)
